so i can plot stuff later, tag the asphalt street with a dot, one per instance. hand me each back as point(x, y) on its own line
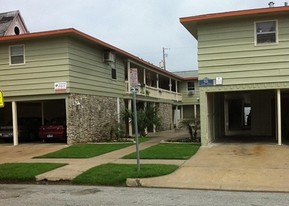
point(67, 195)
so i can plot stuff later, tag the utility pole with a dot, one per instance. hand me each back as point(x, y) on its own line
point(165, 55)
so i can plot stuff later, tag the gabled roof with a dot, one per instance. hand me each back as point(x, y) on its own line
point(6, 20)
point(191, 22)
point(187, 75)
point(73, 33)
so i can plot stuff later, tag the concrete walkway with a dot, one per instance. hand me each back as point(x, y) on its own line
point(77, 166)
point(249, 167)
point(245, 167)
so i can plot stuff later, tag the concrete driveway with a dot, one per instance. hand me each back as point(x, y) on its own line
point(24, 152)
point(253, 167)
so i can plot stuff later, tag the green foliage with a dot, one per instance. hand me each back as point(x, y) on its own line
point(146, 118)
point(85, 150)
point(166, 151)
point(193, 126)
point(116, 174)
point(24, 172)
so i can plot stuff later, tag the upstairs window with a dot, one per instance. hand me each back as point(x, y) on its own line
point(191, 86)
point(17, 54)
point(266, 32)
point(113, 70)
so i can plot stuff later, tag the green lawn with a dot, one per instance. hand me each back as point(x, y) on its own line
point(85, 150)
point(166, 151)
point(24, 172)
point(116, 174)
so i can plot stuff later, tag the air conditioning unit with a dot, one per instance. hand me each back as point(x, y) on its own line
point(108, 56)
point(191, 92)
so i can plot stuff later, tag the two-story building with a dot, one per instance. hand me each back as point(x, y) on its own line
point(243, 61)
point(66, 73)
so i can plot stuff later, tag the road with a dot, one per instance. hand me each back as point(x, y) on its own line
point(67, 195)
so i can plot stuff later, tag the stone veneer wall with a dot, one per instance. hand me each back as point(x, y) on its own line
point(92, 118)
point(165, 112)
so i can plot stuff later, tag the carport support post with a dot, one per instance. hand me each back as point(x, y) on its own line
point(15, 123)
point(279, 117)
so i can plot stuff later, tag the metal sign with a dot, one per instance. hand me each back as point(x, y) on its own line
point(1, 99)
point(133, 77)
point(60, 86)
point(206, 82)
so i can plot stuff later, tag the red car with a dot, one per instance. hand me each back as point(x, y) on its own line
point(54, 130)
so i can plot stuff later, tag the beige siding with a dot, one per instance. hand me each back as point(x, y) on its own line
point(46, 63)
point(189, 99)
point(90, 75)
point(227, 49)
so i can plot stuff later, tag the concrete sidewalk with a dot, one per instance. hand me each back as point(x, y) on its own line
point(241, 167)
point(246, 167)
point(77, 166)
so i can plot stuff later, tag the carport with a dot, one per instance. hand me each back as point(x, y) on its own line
point(41, 109)
point(246, 116)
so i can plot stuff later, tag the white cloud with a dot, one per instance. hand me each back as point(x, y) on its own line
point(141, 27)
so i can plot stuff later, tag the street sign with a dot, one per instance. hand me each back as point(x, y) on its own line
point(133, 77)
point(1, 99)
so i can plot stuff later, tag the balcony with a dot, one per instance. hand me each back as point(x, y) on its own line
point(156, 93)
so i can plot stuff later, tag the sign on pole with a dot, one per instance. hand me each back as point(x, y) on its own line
point(133, 77)
point(1, 99)
point(134, 85)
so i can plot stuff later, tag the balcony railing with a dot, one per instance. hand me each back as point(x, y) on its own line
point(156, 93)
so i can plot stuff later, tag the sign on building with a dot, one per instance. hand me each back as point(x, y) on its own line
point(1, 99)
point(60, 86)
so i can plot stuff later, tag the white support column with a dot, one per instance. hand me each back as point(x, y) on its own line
point(15, 123)
point(144, 77)
point(182, 112)
point(118, 109)
point(170, 85)
point(128, 76)
point(195, 111)
point(154, 126)
point(158, 81)
point(279, 117)
point(130, 121)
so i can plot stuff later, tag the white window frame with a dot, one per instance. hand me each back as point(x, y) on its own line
point(113, 67)
point(188, 86)
point(276, 33)
point(10, 55)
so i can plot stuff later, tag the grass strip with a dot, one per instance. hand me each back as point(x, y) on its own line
point(85, 150)
point(24, 172)
point(166, 151)
point(116, 174)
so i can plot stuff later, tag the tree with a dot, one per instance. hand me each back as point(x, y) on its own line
point(193, 126)
point(146, 117)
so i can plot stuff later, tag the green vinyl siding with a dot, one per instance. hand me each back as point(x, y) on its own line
point(46, 62)
point(90, 75)
point(186, 98)
point(227, 49)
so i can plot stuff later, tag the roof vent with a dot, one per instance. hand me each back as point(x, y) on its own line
point(271, 4)
point(285, 3)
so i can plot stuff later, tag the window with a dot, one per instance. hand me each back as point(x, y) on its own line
point(17, 54)
point(113, 70)
point(191, 86)
point(266, 32)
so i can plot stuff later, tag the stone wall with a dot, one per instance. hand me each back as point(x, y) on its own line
point(90, 118)
point(165, 112)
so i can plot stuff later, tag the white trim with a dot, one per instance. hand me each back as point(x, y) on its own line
point(15, 123)
point(276, 32)
point(24, 54)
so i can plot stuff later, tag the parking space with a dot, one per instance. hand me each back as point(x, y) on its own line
point(31, 116)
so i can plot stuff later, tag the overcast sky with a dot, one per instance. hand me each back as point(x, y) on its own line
point(140, 27)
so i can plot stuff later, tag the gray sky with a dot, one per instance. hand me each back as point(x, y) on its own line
point(140, 27)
